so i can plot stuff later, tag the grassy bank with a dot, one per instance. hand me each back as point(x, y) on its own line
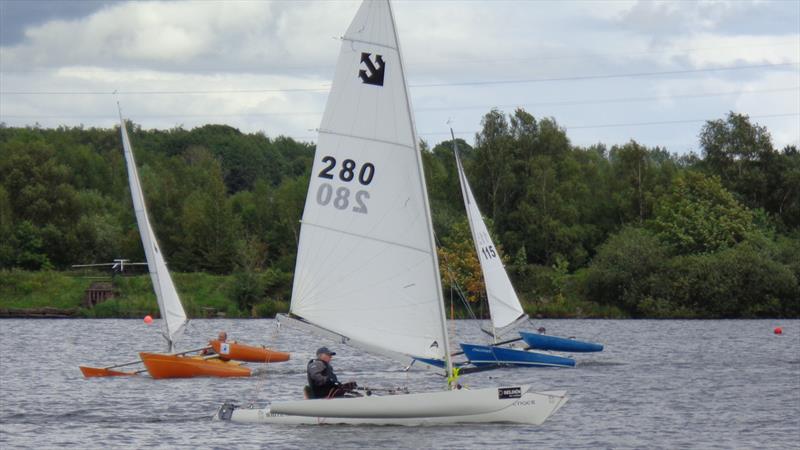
point(206, 295)
point(202, 295)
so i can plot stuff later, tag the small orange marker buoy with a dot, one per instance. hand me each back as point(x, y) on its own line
point(148, 320)
point(778, 330)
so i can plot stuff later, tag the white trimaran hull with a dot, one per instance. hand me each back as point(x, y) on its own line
point(445, 407)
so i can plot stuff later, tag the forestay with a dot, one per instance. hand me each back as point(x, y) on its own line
point(504, 305)
point(366, 264)
point(172, 313)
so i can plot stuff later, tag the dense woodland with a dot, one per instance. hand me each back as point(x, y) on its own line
point(620, 231)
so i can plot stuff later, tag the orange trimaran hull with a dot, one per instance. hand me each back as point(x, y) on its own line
point(240, 352)
point(161, 366)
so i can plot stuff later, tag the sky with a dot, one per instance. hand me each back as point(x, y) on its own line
point(606, 71)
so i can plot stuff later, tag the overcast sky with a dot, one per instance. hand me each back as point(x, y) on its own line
point(607, 71)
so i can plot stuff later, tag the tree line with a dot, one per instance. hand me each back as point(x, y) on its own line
point(625, 230)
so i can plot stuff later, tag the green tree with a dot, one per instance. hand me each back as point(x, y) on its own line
point(639, 177)
point(208, 225)
point(699, 215)
point(625, 269)
point(742, 155)
point(742, 281)
point(7, 250)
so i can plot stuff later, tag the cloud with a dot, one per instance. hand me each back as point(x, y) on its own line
point(181, 36)
point(18, 15)
point(665, 19)
point(235, 51)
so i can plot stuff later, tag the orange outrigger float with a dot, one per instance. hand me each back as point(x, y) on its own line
point(240, 352)
point(224, 363)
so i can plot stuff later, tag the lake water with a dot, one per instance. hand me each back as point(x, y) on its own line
point(659, 384)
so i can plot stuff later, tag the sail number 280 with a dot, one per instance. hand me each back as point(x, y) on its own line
point(348, 171)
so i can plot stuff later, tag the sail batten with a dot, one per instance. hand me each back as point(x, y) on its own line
point(172, 313)
point(421, 250)
point(375, 44)
point(367, 138)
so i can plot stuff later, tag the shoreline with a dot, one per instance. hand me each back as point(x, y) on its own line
point(66, 314)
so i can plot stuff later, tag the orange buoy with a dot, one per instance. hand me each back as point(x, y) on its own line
point(778, 330)
point(148, 320)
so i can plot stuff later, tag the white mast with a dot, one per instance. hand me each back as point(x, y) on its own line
point(448, 359)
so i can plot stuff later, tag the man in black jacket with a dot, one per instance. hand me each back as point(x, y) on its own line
point(322, 380)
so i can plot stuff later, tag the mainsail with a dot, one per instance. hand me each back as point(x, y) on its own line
point(172, 313)
point(504, 305)
point(366, 265)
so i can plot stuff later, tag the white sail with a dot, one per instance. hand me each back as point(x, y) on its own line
point(172, 313)
point(366, 264)
point(504, 306)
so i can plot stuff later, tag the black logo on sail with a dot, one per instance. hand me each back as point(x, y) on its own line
point(373, 74)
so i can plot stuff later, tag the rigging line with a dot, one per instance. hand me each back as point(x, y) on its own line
point(454, 281)
point(432, 109)
point(613, 125)
point(606, 56)
point(581, 127)
point(418, 63)
point(597, 77)
point(666, 122)
point(170, 92)
point(415, 62)
point(421, 85)
point(614, 100)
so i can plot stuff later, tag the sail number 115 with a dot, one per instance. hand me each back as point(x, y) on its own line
point(489, 252)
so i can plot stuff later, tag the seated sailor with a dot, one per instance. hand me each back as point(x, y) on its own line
point(322, 381)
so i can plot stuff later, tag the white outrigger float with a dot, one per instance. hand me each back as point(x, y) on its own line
point(367, 273)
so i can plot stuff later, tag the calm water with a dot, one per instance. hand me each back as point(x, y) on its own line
point(658, 384)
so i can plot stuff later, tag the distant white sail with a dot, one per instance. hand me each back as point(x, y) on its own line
point(366, 263)
point(172, 313)
point(504, 305)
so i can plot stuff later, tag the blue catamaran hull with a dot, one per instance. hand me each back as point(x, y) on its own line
point(482, 355)
point(559, 344)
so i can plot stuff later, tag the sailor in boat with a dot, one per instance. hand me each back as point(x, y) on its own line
point(322, 381)
point(222, 337)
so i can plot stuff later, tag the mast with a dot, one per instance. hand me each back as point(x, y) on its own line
point(442, 314)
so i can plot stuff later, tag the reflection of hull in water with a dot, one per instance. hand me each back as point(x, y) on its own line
point(559, 344)
point(173, 366)
point(249, 353)
point(515, 404)
point(482, 355)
